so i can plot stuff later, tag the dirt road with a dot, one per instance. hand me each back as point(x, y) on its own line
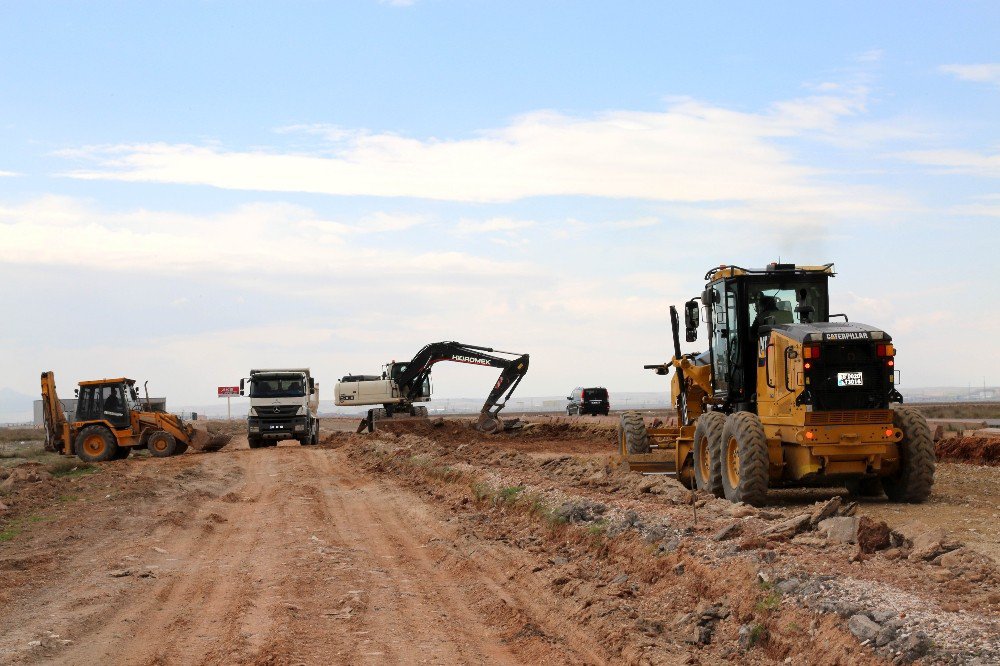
point(435, 544)
point(283, 555)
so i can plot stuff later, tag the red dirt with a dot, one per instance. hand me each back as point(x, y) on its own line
point(976, 450)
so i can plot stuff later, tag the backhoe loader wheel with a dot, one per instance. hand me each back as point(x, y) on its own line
point(632, 433)
point(96, 444)
point(707, 452)
point(913, 481)
point(162, 444)
point(744, 459)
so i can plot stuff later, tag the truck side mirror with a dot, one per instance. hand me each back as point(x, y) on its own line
point(241, 387)
point(312, 385)
point(691, 320)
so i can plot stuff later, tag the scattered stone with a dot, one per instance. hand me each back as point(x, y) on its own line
point(619, 579)
point(559, 561)
point(884, 616)
point(788, 586)
point(3, 508)
point(120, 573)
point(655, 533)
point(914, 646)
point(741, 510)
point(809, 540)
point(863, 627)
point(727, 532)
point(787, 528)
point(930, 544)
point(886, 635)
point(159, 550)
point(872, 535)
point(842, 529)
point(25, 473)
point(848, 509)
point(826, 510)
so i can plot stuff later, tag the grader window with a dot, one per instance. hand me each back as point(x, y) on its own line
point(771, 304)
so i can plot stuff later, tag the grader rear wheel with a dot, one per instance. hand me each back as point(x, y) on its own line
point(744, 459)
point(96, 444)
point(707, 453)
point(632, 434)
point(912, 483)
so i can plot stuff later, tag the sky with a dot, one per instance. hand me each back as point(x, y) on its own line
point(192, 189)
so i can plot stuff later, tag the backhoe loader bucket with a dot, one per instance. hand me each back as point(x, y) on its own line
point(208, 443)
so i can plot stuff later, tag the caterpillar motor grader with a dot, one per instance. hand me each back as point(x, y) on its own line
point(110, 421)
point(783, 396)
point(401, 385)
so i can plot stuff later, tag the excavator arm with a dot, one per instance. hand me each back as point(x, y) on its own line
point(412, 375)
point(56, 426)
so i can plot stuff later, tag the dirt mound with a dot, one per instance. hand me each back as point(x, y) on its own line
point(25, 473)
point(548, 436)
point(976, 450)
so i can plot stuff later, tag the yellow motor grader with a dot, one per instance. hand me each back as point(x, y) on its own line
point(783, 396)
point(110, 421)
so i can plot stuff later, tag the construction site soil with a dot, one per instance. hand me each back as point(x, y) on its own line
point(428, 542)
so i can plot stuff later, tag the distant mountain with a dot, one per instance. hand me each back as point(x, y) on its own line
point(12, 401)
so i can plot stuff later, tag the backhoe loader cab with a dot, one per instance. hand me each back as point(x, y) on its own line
point(783, 396)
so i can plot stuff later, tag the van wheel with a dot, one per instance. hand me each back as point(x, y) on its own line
point(743, 450)
point(96, 444)
point(707, 453)
point(913, 481)
point(632, 433)
point(162, 444)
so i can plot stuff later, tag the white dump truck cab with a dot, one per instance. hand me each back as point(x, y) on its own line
point(284, 404)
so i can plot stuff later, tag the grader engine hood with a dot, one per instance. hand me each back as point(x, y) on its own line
point(844, 366)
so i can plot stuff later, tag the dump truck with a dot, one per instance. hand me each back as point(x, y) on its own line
point(402, 385)
point(783, 396)
point(110, 421)
point(284, 404)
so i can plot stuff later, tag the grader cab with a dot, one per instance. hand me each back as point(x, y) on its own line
point(783, 396)
point(110, 421)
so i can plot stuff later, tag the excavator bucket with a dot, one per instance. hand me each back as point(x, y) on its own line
point(492, 424)
point(202, 440)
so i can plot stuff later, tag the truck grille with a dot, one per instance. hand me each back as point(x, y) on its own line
point(849, 417)
point(276, 411)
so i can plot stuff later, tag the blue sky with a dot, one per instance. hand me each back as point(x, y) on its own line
point(191, 189)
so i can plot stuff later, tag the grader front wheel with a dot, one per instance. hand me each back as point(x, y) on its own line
point(707, 455)
point(632, 434)
point(744, 459)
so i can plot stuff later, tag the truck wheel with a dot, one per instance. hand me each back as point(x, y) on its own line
point(96, 444)
point(707, 452)
point(743, 453)
point(162, 444)
point(255, 442)
point(913, 481)
point(632, 433)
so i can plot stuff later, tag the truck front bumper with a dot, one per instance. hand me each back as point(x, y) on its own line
point(284, 428)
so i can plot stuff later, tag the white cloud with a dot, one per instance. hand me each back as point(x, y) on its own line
point(8, 174)
point(957, 161)
point(637, 223)
point(978, 73)
point(692, 152)
point(494, 224)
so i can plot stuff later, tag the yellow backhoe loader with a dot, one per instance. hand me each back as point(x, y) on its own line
point(783, 396)
point(110, 421)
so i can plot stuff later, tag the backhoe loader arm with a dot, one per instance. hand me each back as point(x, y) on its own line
point(56, 426)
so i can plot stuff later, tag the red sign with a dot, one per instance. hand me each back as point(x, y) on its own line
point(227, 391)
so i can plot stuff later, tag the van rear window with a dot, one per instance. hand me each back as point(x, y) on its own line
point(595, 394)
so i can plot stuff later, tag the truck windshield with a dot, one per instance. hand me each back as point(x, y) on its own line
point(273, 386)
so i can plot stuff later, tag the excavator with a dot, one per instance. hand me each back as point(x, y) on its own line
point(402, 385)
point(110, 421)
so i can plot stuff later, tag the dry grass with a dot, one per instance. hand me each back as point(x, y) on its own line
point(22, 434)
point(959, 410)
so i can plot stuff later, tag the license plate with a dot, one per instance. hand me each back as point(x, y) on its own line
point(850, 379)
